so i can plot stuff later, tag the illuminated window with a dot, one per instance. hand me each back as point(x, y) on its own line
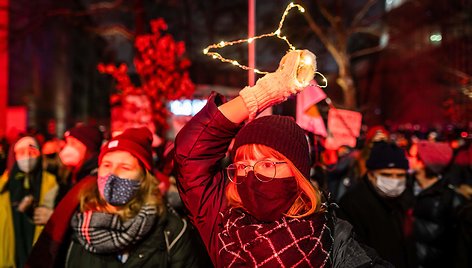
point(186, 107)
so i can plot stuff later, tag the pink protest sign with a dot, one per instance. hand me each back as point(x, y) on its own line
point(344, 127)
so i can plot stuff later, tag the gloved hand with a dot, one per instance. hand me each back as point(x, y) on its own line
point(274, 88)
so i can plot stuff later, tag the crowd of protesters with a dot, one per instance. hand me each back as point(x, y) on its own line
point(261, 194)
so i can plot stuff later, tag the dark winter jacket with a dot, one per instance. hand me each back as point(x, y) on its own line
point(168, 245)
point(348, 252)
point(436, 224)
point(199, 149)
point(381, 223)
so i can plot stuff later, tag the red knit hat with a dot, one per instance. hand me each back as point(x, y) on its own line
point(90, 136)
point(280, 133)
point(136, 141)
point(374, 131)
point(435, 155)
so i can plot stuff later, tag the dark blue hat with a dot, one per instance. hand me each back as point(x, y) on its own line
point(386, 155)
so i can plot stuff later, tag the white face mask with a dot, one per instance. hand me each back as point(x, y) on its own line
point(391, 187)
point(27, 164)
point(70, 156)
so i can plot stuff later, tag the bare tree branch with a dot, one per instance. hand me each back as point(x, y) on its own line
point(112, 30)
point(360, 15)
point(324, 11)
point(366, 30)
point(92, 9)
point(105, 5)
point(322, 35)
point(365, 51)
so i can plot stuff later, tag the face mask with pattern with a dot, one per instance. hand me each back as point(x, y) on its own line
point(117, 191)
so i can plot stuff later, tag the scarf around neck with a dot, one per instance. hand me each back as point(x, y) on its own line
point(100, 232)
point(246, 242)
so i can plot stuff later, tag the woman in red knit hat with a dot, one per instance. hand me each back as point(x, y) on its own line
point(260, 211)
point(117, 218)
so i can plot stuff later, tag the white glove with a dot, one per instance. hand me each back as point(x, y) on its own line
point(274, 88)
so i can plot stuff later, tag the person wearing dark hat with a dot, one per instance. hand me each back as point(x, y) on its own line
point(261, 210)
point(374, 134)
point(117, 218)
point(439, 238)
point(78, 156)
point(379, 207)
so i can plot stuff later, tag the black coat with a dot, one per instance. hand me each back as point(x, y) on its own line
point(436, 222)
point(348, 252)
point(168, 245)
point(381, 223)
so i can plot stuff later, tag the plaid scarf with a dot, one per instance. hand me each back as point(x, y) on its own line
point(288, 242)
point(102, 232)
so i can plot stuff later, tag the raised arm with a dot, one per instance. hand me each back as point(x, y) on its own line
point(235, 110)
point(203, 142)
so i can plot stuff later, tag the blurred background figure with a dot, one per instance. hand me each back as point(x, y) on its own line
point(459, 172)
point(31, 191)
point(3, 154)
point(79, 156)
point(374, 134)
point(437, 205)
point(50, 151)
point(342, 175)
point(7, 237)
point(379, 208)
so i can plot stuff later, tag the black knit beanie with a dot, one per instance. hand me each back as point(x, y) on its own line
point(386, 155)
point(280, 133)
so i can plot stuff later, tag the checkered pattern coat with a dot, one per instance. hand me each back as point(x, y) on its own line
point(288, 242)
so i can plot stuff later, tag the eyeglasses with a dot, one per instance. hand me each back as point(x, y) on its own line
point(265, 170)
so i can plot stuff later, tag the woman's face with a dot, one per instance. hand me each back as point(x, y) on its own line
point(282, 169)
point(121, 164)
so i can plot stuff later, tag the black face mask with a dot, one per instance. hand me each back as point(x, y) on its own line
point(267, 201)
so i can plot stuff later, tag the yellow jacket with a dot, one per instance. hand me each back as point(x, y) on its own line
point(49, 189)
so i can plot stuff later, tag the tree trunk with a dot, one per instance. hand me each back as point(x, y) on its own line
point(349, 91)
point(346, 83)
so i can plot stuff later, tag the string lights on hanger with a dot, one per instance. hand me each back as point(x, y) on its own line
point(305, 61)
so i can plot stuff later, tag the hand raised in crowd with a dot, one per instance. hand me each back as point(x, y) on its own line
point(276, 87)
